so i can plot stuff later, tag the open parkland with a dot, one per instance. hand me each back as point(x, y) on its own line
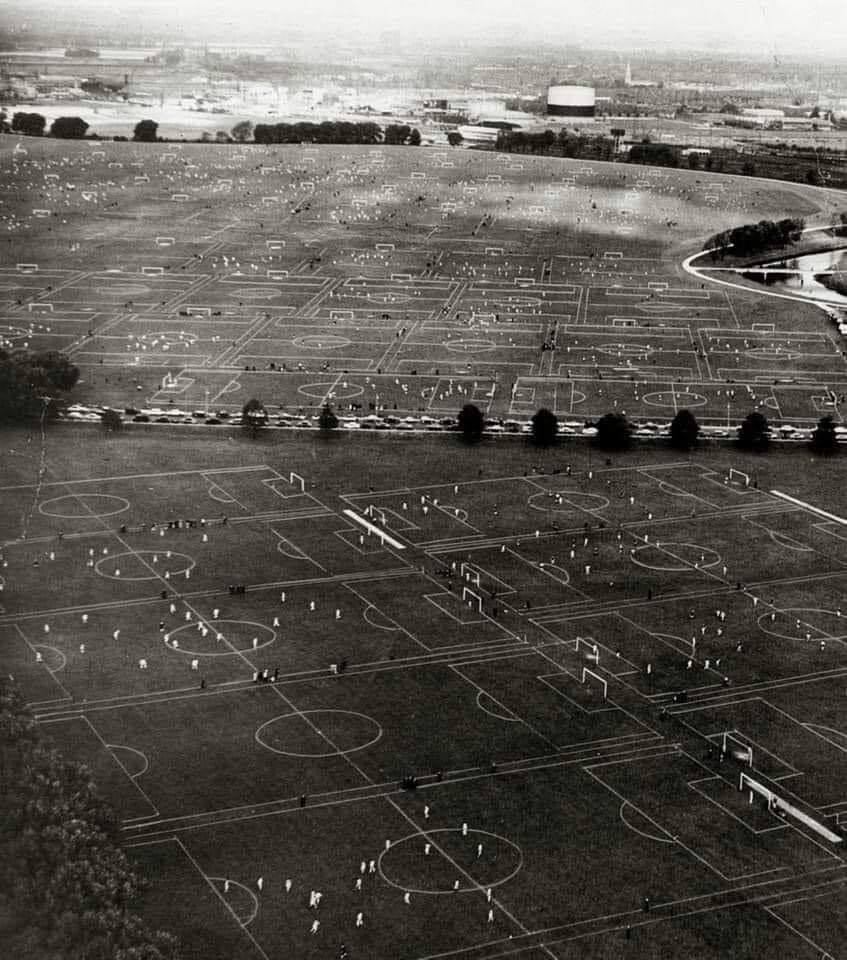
point(407, 281)
point(488, 701)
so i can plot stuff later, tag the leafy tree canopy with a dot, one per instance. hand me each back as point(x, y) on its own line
point(327, 419)
point(29, 124)
point(145, 131)
point(32, 384)
point(68, 128)
point(824, 438)
point(471, 422)
point(754, 432)
point(545, 427)
point(614, 432)
point(684, 430)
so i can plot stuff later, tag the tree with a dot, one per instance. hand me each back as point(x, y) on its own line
point(454, 138)
point(415, 138)
point(33, 384)
point(253, 415)
point(614, 432)
point(684, 430)
point(65, 882)
point(111, 419)
point(145, 131)
point(545, 427)
point(29, 124)
point(327, 419)
point(824, 438)
point(471, 422)
point(396, 133)
point(754, 432)
point(68, 128)
point(242, 131)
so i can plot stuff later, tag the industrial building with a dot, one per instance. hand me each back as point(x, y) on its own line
point(566, 100)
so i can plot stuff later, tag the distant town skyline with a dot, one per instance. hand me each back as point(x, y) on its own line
point(777, 28)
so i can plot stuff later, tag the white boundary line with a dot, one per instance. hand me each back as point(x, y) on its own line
point(372, 529)
point(808, 506)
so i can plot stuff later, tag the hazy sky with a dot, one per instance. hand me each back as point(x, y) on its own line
point(761, 26)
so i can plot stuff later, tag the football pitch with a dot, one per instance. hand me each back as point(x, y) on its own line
point(488, 701)
point(194, 277)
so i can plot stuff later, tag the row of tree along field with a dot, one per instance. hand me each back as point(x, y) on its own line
point(146, 131)
point(613, 430)
point(66, 886)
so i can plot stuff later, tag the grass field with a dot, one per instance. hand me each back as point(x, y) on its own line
point(554, 644)
point(407, 280)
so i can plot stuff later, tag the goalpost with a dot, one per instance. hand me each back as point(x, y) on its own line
point(469, 596)
point(468, 573)
point(373, 511)
point(743, 751)
point(586, 673)
point(296, 476)
point(738, 476)
point(593, 649)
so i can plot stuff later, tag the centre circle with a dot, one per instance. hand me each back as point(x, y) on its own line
point(84, 506)
point(678, 400)
point(124, 290)
point(8, 332)
point(238, 637)
point(670, 556)
point(570, 500)
point(338, 391)
point(819, 623)
point(386, 298)
point(256, 293)
point(316, 341)
point(625, 349)
point(489, 859)
point(169, 338)
point(319, 733)
point(772, 353)
point(470, 346)
point(143, 565)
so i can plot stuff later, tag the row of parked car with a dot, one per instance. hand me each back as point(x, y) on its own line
point(568, 428)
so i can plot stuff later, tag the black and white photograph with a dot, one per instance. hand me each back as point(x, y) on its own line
point(423, 443)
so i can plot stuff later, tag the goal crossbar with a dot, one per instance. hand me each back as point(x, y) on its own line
point(586, 673)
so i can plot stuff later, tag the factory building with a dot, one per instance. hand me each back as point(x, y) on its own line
point(565, 100)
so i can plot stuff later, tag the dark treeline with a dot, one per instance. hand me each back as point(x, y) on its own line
point(753, 238)
point(332, 131)
point(66, 887)
point(32, 384)
point(564, 144)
